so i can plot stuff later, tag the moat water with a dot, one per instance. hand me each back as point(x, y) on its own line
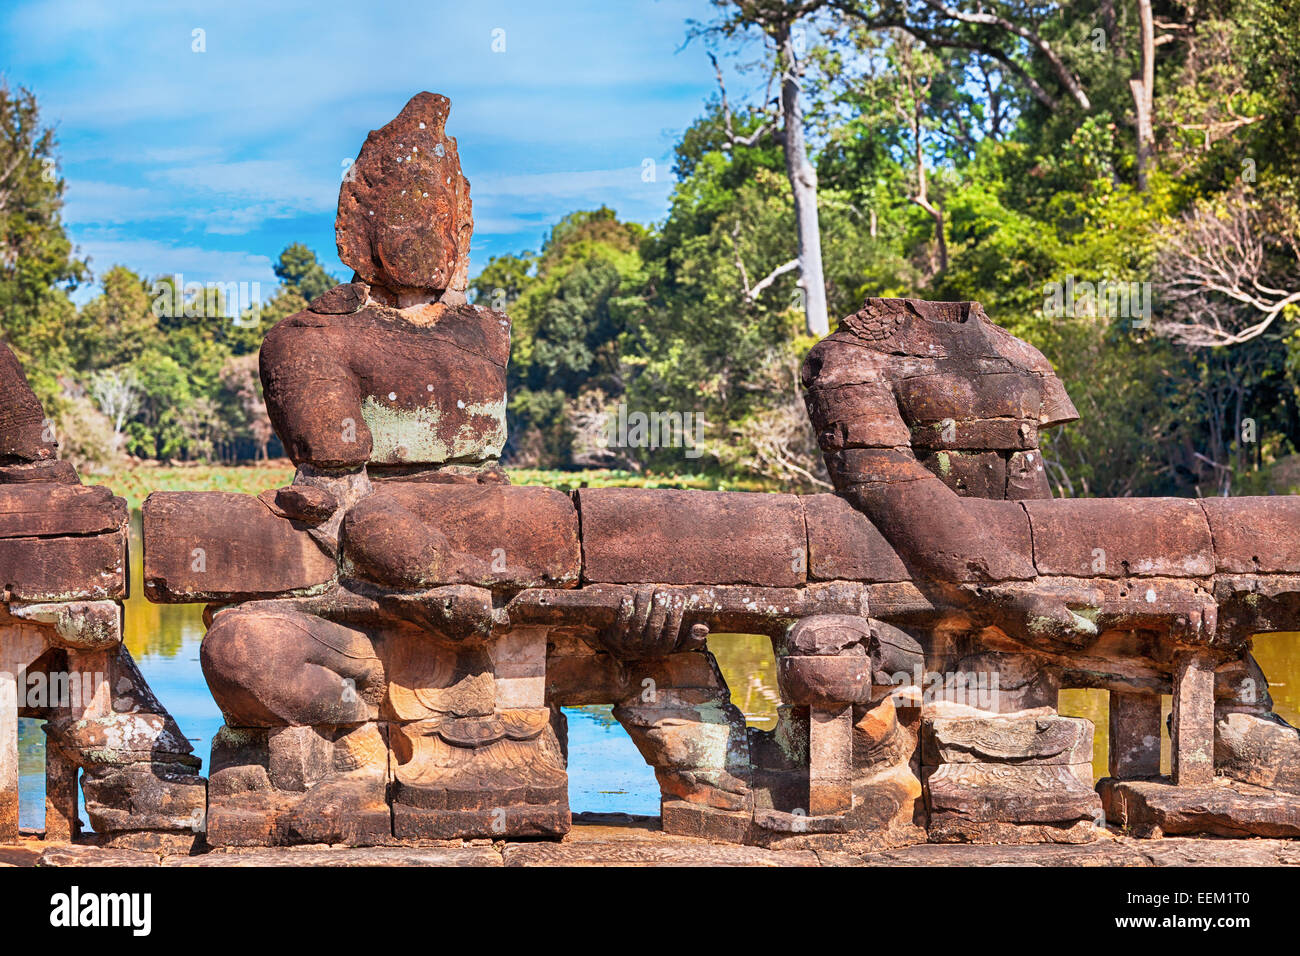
point(606, 773)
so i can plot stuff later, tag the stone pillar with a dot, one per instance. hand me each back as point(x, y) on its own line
point(1134, 735)
point(8, 750)
point(1193, 724)
point(62, 823)
point(19, 647)
point(91, 697)
point(830, 760)
point(519, 668)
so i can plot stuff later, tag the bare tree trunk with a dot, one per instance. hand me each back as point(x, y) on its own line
point(803, 183)
point(1144, 92)
point(922, 197)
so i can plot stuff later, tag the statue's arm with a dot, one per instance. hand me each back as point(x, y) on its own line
point(867, 446)
point(313, 397)
point(868, 451)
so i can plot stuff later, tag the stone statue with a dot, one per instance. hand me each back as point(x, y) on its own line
point(385, 387)
point(62, 575)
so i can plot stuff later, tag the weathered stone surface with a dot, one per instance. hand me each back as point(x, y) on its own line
point(733, 609)
point(825, 681)
point(606, 845)
point(117, 739)
point(1106, 851)
point(404, 217)
point(1260, 750)
point(341, 300)
point(144, 797)
point(830, 634)
point(625, 853)
point(83, 625)
point(22, 420)
point(633, 536)
point(215, 546)
point(1135, 730)
point(943, 827)
point(410, 535)
point(306, 503)
point(347, 857)
point(1020, 741)
point(1192, 724)
point(1154, 808)
point(95, 856)
point(1255, 535)
point(43, 470)
point(298, 758)
point(61, 542)
point(348, 811)
point(62, 820)
point(830, 759)
point(1145, 537)
point(992, 793)
point(46, 510)
point(82, 568)
point(843, 544)
point(423, 386)
point(500, 775)
point(343, 804)
point(270, 667)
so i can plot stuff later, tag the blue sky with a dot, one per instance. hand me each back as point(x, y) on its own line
point(210, 163)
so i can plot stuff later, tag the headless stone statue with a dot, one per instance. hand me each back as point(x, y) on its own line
point(918, 406)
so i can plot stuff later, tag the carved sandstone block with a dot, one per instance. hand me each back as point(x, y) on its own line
point(1192, 727)
point(986, 792)
point(215, 546)
point(1262, 750)
point(23, 434)
point(843, 544)
point(1255, 535)
point(47, 510)
point(415, 534)
point(635, 536)
point(90, 568)
point(1154, 808)
point(825, 681)
point(1021, 741)
point(424, 386)
point(404, 218)
point(1121, 537)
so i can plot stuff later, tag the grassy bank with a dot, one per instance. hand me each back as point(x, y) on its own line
point(135, 482)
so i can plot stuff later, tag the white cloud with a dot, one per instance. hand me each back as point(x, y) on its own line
point(151, 258)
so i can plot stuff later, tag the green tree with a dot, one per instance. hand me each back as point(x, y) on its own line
point(37, 264)
point(299, 270)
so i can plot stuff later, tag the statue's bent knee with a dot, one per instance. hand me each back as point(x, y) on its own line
point(270, 668)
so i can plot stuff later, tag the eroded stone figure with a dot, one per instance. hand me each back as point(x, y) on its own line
point(63, 551)
point(383, 390)
point(921, 410)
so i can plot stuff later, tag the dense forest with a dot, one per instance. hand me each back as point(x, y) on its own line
point(1117, 181)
